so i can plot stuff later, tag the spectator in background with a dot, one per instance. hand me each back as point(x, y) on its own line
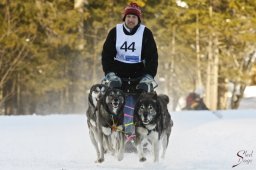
point(195, 102)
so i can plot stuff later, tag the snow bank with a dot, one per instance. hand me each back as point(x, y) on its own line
point(250, 91)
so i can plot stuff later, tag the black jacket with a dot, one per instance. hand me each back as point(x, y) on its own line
point(126, 70)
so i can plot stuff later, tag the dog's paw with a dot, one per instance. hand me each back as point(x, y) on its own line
point(142, 131)
point(156, 160)
point(143, 159)
point(93, 123)
point(106, 131)
point(120, 157)
point(100, 160)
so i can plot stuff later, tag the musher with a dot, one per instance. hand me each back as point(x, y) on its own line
point(130, 60)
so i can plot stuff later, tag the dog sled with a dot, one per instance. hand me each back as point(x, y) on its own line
point(131, 96)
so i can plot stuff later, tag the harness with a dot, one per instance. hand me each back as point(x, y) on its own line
point(113, 125)
point(151, 130)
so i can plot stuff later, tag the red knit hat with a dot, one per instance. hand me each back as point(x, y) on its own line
point(134, 9)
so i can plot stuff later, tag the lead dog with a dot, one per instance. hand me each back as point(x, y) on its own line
point(153, 124)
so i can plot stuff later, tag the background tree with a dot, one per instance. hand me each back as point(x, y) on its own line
point(50, 51)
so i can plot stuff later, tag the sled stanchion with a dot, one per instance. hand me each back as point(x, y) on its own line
point(131, 95)
point(129, 107)
point(127, 115)
point(130, 100)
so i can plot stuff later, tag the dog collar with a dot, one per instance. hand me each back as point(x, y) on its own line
point(149, 131)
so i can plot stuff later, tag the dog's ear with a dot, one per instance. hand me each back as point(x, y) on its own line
point(136, 118)
point(141, 96)
point(90, 94)
point(154, 95)
point(122, 93)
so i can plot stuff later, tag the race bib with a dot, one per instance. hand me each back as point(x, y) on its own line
point(129, 47)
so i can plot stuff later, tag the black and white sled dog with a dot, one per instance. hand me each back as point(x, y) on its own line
point(105, 118)
point(153, 124)
point(96, 93)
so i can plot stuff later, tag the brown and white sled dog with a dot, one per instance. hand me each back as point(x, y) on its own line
point(153, 124)
point(110, 120)
point(96, 93)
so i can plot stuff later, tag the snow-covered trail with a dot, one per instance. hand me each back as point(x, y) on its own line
point(199, 141)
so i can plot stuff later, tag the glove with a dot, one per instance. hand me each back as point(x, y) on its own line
point(147, 83)
point(112, 80)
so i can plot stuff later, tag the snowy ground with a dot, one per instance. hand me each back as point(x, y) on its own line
point(199, 141)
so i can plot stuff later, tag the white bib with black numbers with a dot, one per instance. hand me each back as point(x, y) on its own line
point(129, 47)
